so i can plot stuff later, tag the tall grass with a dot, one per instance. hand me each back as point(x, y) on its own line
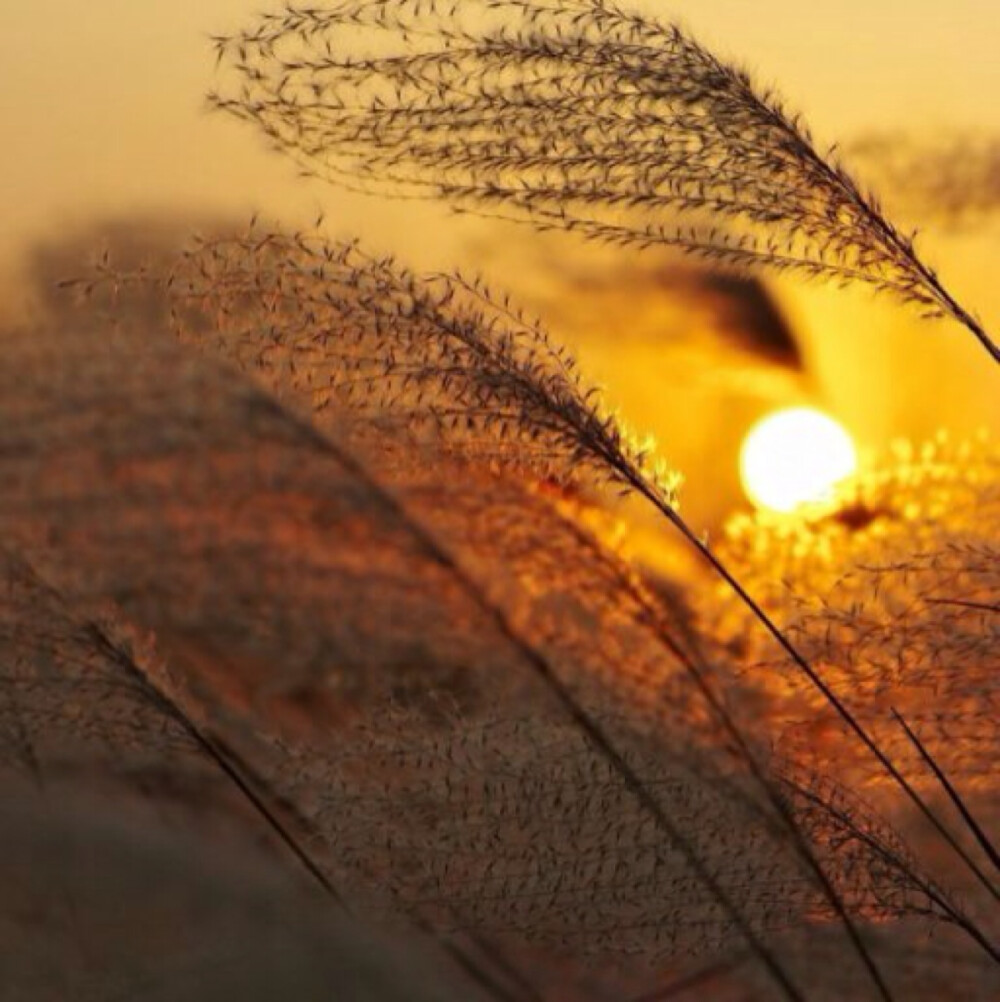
point(393, 637)
point(350, 335)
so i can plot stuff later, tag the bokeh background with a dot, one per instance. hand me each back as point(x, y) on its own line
point(104, 121)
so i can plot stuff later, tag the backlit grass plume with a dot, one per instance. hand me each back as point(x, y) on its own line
point(435, 770)
point(578, 115)
point(440, 356)
point(896, 595)
point(330, 326)
point(224, 523)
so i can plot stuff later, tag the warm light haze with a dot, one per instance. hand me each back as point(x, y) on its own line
point(500, 501)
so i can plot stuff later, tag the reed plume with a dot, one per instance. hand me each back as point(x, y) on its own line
point(509, 585)
point(254, 299)
point(367, 615)
point(438, 357)
point(579, 115)
point(317, 323)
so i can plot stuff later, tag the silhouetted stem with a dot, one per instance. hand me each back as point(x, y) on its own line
point(591, 729)
point(951, 913)
point(800, 661)
point(777, 802)
point(981, 837)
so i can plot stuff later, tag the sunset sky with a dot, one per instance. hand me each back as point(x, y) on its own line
point(103, 115)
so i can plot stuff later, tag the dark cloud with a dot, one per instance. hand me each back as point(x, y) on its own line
point(751, 316)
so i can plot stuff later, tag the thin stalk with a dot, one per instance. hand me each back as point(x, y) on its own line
point(950, 911)
point(540, 665)
point(981, 837)
point(800, 661)
point(777, 802)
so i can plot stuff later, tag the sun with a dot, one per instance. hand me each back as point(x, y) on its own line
point(795, 456)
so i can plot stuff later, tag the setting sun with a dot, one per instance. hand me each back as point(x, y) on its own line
point(794, 456)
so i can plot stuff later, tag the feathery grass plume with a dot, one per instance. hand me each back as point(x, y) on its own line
point(274, 307)
point(578, 115)
point(218, 427)
point(601, 654)
point(443, 352)
point(299, 603)
point(126, 847)
point(225, 286)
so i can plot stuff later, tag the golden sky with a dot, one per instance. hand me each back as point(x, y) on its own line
point(102, 101)
point(102, 115)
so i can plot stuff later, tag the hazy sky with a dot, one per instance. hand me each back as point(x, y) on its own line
point(101, 111)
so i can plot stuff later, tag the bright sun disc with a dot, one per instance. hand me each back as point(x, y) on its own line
point(795, 456)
